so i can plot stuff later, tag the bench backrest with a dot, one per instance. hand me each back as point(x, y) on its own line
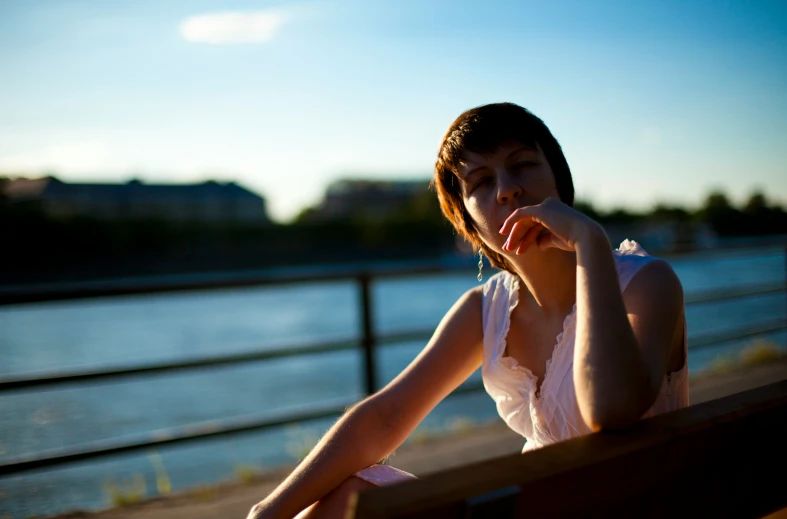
point(722, 458)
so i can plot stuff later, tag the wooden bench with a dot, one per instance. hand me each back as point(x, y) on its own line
point(722, 458)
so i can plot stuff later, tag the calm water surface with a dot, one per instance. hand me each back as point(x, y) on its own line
point(140, 329)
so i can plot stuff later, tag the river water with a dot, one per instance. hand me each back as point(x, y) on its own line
point(121, 331)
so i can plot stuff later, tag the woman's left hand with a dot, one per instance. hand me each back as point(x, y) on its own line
point(548, 224)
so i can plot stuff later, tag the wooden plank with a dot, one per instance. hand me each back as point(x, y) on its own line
point(721, 458)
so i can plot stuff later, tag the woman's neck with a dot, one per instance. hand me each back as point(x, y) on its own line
point(550, 277)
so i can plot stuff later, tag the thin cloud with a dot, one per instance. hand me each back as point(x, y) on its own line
point(232, 27)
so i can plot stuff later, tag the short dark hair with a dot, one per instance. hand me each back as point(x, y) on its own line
point(482, 130)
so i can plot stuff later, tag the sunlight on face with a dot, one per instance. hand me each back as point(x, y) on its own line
point(495, 184)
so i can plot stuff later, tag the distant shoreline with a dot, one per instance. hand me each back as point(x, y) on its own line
point(446, 261)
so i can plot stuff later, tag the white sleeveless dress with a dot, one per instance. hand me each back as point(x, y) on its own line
point(552, 414)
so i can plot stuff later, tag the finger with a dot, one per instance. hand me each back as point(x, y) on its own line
point(518, 232)
point(548, 240)
point(529, 238)
point(514, 217)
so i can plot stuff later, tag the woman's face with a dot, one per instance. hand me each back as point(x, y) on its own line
point(494, 185)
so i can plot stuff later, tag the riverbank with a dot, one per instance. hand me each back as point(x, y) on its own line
point(431, 455)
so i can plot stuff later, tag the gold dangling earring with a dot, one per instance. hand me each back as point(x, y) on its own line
point(480, 264)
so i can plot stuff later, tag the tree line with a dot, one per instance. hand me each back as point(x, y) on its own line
point(757, 216)
point(41, 249)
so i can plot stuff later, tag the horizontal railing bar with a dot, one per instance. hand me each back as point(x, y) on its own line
point(27, 381)
point(46, 379)
point(713, 295)
point(711, 339)
point(35, 293)
point(205, 430)
point(234, 426)
point(193, 432)
point(187, 433)
point(10, 295)
point(239, 425)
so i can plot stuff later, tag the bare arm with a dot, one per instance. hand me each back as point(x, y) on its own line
point(623, 342)
point(379, 424)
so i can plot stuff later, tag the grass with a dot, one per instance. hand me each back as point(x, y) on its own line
point(128, 492)
point(163, 484)
point(461, 425)
point(455, 426)
point(247, 473)
point(753, 353)
point(124, 493)
point(761, 351)
point(205, 494)
point(301, 442)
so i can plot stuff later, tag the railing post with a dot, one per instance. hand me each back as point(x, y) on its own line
point(368, 338)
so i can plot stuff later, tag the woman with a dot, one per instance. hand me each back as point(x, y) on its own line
point(572, 336)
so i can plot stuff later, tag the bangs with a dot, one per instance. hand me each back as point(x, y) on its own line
point(484, 132)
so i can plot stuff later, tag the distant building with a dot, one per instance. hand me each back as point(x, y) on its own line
point(372, 199)
point(208, 202)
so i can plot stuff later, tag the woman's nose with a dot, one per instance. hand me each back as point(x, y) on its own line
point(507, 190)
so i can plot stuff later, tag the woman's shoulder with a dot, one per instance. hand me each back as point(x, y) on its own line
point(631, 254)
point(631, 260)
point(501, 280)
point(491, 288)
point(500, 294)
point(502, 283)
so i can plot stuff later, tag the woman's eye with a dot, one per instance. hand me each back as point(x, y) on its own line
point(481, 182)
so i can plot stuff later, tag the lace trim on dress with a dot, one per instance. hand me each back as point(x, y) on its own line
point(511, 363)
point(549, 413)
point(557, 349)
point(627, 247)
point(513, 300)
point(630, 247)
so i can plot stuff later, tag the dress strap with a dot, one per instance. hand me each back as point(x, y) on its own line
point(500, 296)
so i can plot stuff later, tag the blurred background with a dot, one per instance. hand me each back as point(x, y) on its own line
point(218, 230)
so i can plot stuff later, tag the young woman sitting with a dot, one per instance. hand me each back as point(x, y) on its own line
point(572, 336)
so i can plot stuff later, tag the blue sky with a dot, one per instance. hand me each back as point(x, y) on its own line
point(651, 101)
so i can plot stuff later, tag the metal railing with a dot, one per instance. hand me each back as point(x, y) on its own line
point(367, 343)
